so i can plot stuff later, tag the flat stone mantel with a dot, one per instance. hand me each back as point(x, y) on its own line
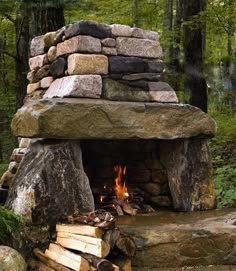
point(79, 118)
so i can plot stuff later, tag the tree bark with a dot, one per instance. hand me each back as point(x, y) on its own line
point(168, 26)
point(46, 16)
point(194, 55)
point(22, 49)
point(135, 12)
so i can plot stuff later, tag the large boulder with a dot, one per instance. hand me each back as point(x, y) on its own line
point(50, 183)
point(96, 119)
point(11, 260)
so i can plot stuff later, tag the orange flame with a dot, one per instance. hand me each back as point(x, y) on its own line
point(120, 188)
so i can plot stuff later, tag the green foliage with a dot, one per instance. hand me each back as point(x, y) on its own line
point(223, 148)
point(9, 223)
point(225, 185)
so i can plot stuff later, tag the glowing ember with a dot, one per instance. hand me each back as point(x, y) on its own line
point(120, 188)
point(102, 198)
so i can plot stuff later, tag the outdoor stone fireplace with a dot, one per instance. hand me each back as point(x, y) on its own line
point(95, 100)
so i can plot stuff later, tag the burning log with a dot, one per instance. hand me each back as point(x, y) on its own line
point(49, 261)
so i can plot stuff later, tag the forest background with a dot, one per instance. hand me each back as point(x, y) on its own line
point(199, 42)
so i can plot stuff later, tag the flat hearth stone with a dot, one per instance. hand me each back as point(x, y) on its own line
point(169, 239)
point(101, 119)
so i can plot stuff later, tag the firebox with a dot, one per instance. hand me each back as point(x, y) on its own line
point(129, 170)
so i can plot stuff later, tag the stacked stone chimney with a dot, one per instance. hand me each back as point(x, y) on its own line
point(92, 60)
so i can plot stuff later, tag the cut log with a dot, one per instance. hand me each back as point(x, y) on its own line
point(128, 209)
point(80, 229)
point(126, 245)
point(123, 263)
point(119, 210)
point(111, 236)
point(49, 261)
point(98, 263)
point(86, 244)
point(38, 266)
point(67, 258)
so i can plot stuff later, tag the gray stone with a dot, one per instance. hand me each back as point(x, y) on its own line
point(59, 34)
point(76, 86)
point(57, 68)
point(11, 260)
point(162, 92)
point(13, 166)
point(116, 91)
point(79, 44)
point(88, 27)
point(42, 72)
point(144, 34)
point(109, 42)
point(87, 64)
point(190, 178)
point(161, 201)
point(205, 240)
point(122, 64)
point(109, 51)
point(146, 76)
point(50, 183)
point(154, 66)
point(32, 77)
point(46, 82)
point(142, 84)
point(48, 39)
point(37, 46)
point(52, 53)
point(120, 30)
point(138, 47)
point(152, 188)
point(37, 61)
point(96, 119)
point(32, 87)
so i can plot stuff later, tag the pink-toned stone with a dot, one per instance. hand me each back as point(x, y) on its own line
point(37, 61)
point(87, 64)
point(76, 86)
point(79, 44)
point(138, 47)
point(37, 46)
point(144, 34)
point(52, 53)
point(32, 87)
point(46, 82)
point(163, 96)
point(162, 92)
point(121, 30)
point(109, 51)
point(109, 42)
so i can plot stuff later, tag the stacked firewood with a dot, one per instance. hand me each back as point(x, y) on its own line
point(95, 243)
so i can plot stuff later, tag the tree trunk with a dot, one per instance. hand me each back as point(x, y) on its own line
point(33, 18)
point(22, 49)
point(168, 26)
point(194, 55)
point(46, 16)
point(135, 12)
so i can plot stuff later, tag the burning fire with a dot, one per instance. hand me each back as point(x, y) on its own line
point(120, 188)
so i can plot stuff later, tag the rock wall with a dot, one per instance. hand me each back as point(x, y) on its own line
point(92, 60)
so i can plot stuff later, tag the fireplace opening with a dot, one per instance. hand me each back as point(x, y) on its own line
point(126, 171)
